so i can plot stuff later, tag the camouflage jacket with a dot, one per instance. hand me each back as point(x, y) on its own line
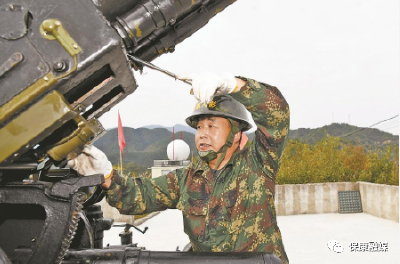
point(234, 211)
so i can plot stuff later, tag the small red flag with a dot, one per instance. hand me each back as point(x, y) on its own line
point(121, 138)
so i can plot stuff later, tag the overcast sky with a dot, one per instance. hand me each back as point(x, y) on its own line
point(334, 61)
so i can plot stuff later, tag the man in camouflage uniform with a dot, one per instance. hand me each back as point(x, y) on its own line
point(227, 198)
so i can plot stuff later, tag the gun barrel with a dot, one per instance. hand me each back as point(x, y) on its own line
point(119, 254)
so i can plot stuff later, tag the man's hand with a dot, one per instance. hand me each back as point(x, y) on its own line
point(90, 161)
point(207, 84)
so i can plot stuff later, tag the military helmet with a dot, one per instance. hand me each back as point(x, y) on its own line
point(222, 106)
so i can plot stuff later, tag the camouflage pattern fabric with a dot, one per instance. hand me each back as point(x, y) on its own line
point(235, 210)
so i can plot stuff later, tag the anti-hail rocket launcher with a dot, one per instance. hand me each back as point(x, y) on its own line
point(63, 64)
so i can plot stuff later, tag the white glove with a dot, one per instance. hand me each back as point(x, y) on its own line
point(90, 161)
point(207, 84)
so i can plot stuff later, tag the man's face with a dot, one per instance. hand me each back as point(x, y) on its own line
point(212, 133)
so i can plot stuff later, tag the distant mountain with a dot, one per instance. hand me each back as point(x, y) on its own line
point(145, 144)
point(365, 136)
point(177, 127)
point(369, 137)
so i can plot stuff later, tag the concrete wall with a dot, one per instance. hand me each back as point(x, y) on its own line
point(317, 198)
point(312, 198)
point(380, 200)
point(158, 171)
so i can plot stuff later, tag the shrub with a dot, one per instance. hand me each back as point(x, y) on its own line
point(332, 160)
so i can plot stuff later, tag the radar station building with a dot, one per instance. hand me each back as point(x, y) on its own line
point(178, 152)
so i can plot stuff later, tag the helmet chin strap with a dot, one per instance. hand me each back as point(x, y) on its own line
point(211, 154)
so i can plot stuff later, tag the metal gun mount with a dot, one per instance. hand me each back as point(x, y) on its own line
point(63, 64)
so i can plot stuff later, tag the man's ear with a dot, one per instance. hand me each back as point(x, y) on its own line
point(237, 136)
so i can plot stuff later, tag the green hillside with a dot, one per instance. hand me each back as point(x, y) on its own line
point(144, 145)
point(369, 137)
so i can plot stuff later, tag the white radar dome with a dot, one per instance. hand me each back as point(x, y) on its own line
point(178, 150)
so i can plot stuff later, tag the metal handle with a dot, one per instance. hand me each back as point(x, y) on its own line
point(154, 67)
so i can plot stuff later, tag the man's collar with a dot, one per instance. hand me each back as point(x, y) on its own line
point(202, 166)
